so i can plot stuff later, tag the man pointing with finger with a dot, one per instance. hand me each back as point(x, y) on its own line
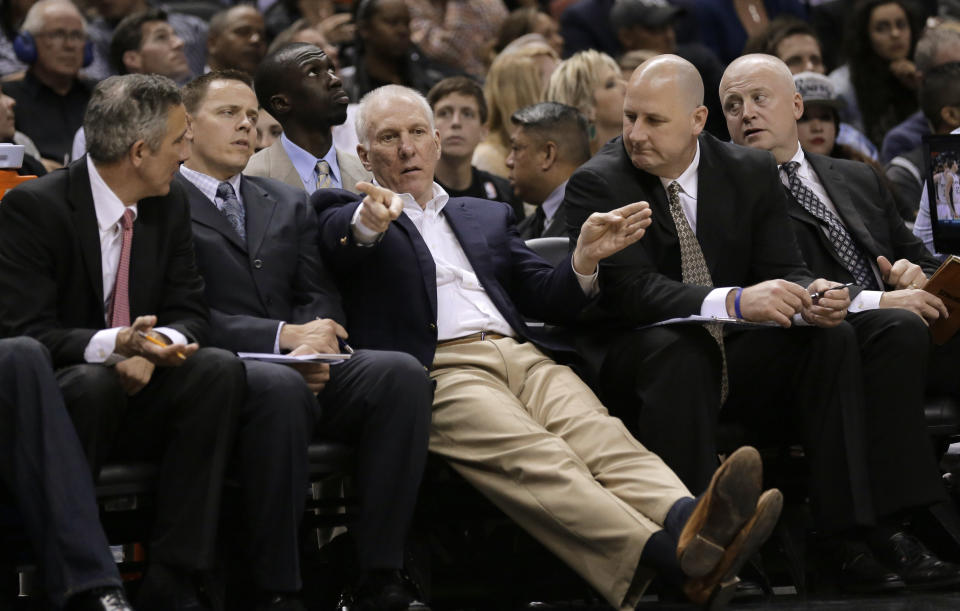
point(450, 282)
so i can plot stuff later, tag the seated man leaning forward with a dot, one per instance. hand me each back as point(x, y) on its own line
point(521, 428)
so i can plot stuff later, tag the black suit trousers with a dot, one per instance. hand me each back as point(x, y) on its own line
point(786, 386)
point(43, 467)
point(185, 419)
point(380, 401)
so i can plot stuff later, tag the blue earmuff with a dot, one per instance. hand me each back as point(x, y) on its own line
point(25, 48)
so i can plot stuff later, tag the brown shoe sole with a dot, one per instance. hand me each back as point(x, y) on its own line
point(730, 500)
point(715, 590)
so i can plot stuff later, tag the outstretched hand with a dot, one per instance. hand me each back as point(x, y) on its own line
point(380, 207)
point(605, 233)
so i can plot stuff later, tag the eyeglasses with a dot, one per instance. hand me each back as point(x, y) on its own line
point(63, 36)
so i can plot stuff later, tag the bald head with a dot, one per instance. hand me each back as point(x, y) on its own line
point(761, 104)
point(670, 71)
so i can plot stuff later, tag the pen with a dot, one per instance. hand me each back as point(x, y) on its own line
point(344, 346)
point(820, 294)
point(154, 340)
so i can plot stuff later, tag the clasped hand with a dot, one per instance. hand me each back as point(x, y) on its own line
point(130, 343)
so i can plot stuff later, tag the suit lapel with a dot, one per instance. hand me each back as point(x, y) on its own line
point(259, 206)
point(205, 212)
point(712, 194)
point(85, 220)
point(428, 268)
point(833, 183)
point(280, 166)
point(470, 235)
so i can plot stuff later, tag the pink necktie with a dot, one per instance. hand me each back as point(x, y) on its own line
point(120, 302)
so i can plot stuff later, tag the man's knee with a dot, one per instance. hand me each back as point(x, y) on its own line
point(214, 366)
point(90, 384)
point(278, 392)
point(23, 351)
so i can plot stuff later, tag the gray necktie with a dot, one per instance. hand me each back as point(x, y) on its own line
point(232, 209)
point(850, 255)
point(693, 268)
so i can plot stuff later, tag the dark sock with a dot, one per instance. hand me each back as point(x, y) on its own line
point(660, 554)
point(678, 515)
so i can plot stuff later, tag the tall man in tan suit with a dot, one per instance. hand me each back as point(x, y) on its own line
point(298, 86)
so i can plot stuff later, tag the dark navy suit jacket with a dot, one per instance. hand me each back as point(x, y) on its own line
point(390, 289)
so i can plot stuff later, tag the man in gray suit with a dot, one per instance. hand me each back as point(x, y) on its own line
point(298, 86)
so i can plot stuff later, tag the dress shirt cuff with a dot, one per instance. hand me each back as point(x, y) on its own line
point(100, 348)
point(362, 235)
point(800, 321)
point(173, 335)
point(715, 304)
point(276, 342)
point(865, 300)
point(589, 284)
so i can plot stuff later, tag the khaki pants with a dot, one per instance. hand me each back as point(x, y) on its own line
point(533, 438)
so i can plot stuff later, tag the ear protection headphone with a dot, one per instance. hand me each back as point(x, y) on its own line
point(25, 48)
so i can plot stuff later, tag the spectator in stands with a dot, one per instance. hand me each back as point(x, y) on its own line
point(377, 401)
point(191, 30)
point(642, 24)
point(457, 33)
point(516, 79)
point(9, 134)
point(879, 81)
point(42, 468)
point(143, 43)
point(269, 130)
point(940, 99)
point(848, 230)
point(819, 125)
point(725, 25)
point(529, 20)
point(72, 278)
point(937, 46)
point(591, 82)
point(298, 86)
point(524, 430)
point(631, 60)
point(549, 141)
point(385, 53)
point(337, 27)
point(52, 89)
point(797, 45)
point(11, 16)
point(460, 111)
point(303, 31)
point(237, 39)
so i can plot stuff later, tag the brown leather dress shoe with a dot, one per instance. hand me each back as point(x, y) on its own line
point(730, 500)
point(715, 589)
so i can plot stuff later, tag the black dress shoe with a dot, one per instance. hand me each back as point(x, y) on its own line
point(918, 566)
point(388, 591)
point(168, 589)
point(280, 601)
point(861, 573)
point(100, 599)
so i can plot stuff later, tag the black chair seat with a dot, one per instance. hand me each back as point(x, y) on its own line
point(942, 415)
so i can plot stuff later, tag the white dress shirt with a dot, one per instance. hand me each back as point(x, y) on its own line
point(463, 306)
point(715, 303)
point(306, 164)
point(865, 300)
point(109, 210)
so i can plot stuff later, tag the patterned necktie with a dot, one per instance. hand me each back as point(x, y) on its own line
point(850, 255)
point(323, 175)
point(120, 298)
point(693, 269)
point(232, 209)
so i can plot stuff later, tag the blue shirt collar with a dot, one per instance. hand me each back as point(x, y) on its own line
point(306, 164)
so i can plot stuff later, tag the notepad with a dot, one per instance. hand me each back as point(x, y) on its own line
point(290, 359)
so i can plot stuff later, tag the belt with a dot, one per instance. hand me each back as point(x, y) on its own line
point(469, 339)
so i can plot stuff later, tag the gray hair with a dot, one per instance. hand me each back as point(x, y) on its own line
point(125, 109)
point(387, 92)
point(930, 45)
point(33, 22)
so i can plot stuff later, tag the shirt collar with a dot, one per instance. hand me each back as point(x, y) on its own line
point(306, 164)
point(108, 206)
point(208, 184)
point(436, 203)
point(553, 201)
point(688, 180)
